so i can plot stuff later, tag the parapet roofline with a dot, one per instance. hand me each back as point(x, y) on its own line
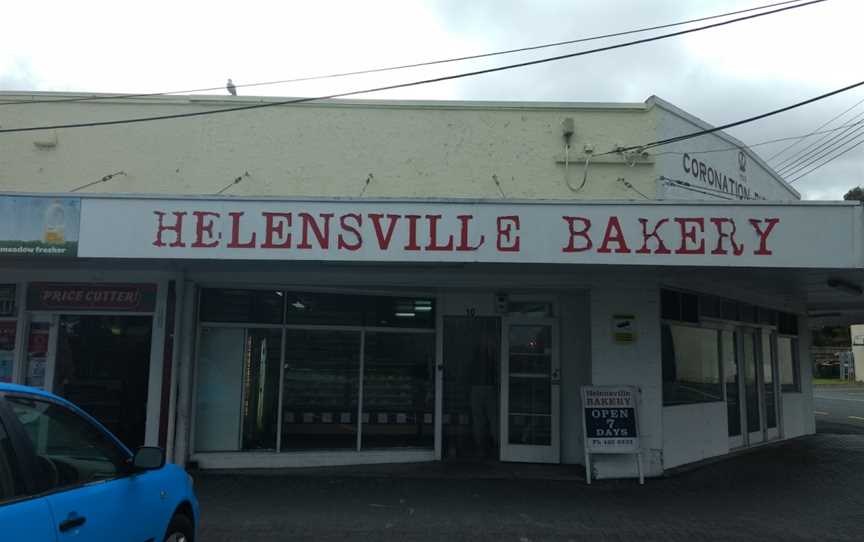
point(213, 99)
point(453, 201)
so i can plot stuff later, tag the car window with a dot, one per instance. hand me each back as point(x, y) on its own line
point(70, 450)
point(11, 485)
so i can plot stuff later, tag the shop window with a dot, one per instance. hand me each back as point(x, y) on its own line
point(238, 389)
point(787, 360)
point(530, 309)
point(691, 365)
point(787, 324)
point(680, 306)
point(7, 300)
point(398, 390)
point(321, 388)
point(324, 309)
point(241, 306)
point(8, 330)
point(354, 310)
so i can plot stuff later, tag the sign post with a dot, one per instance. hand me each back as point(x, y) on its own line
point(610, 424)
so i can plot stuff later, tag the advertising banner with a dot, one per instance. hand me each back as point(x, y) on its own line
point(7, 350)
point(740, 235)
point(48, 296)
point(39, 226)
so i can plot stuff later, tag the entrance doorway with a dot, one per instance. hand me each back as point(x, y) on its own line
point(472, 365)
point(99, 362)
point(530, 391)
point(751, 389)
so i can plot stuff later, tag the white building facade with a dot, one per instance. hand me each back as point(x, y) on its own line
point(398, 282)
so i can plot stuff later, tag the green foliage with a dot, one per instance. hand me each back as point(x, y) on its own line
point(856, 193)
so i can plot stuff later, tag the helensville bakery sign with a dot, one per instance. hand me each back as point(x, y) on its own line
point(632, 234)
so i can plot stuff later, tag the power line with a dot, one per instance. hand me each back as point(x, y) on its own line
point(761, 143)
point(687, 186)
point(420, 82)
point(824, 124)
point(793, 165)
point(828, 152)
point(413, 65)
point(799, 177)
point(691, 135)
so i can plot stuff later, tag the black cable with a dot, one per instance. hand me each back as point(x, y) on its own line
point(691, 135)
point(824, 124)
point(831, 159)
point(688, 186)
point(424, 81)
point(407, 66)
point(827, 152)
point(761, 143)
point(804, 158)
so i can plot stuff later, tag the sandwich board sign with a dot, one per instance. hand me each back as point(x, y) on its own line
point(610, 423)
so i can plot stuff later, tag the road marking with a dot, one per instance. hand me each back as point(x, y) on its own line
point(856, 418)
point(820, 413)
point(826, 398)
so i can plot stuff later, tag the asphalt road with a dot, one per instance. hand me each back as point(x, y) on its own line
point(839, 409)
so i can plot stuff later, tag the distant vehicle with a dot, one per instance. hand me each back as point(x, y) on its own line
point(64, 477)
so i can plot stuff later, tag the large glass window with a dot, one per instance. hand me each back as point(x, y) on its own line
point(398, 389)
point(319, 403)
point(238, 389)
point(241, 306)
point(787, 359)
point(349, 362)
point(691, 364)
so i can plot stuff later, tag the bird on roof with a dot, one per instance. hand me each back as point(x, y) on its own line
point(231, 88)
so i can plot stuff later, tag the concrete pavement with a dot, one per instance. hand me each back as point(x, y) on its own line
point(805, 489)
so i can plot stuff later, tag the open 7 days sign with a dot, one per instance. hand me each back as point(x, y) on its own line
point(454, 231)
point(610, 423)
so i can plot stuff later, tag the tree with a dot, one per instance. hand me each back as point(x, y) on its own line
point(856, 193)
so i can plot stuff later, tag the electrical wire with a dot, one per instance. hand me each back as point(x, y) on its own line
point(688, 186)
point(629, 185)
point(761, 143)
point(104, 179)
point(824, 124)
point(826, 152)
point(747, 120)
point(802, 159)
point(831, 159)
point(428, 81)
point(412, 65)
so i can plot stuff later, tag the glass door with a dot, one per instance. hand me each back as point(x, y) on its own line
point(733, 383)
point(530, 391)
point(752, 368)
point(769, 386)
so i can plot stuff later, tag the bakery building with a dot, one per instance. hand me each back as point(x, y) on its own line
point(376, 282)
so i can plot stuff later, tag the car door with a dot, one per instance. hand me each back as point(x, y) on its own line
point(23, 516)
point(86, 476)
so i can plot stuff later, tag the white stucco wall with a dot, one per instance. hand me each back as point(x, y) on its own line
point(694, 432)
point(404, 149)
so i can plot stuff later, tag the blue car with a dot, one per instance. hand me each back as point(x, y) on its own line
point(64, 477)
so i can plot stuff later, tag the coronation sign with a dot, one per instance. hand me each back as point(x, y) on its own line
point(648, 234)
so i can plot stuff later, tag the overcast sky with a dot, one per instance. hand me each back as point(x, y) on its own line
point(719, 75)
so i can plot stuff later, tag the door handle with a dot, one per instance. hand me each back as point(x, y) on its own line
point(71, 523)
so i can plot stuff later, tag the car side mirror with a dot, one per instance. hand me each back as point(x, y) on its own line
point(148, 458)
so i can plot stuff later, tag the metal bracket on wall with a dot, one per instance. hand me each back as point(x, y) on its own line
point(574, 159)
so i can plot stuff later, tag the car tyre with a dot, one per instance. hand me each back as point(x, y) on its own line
point(180, 529)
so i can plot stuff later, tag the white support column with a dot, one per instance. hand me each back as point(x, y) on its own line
point(186, 338)
point(157, 357)
point(179, 288)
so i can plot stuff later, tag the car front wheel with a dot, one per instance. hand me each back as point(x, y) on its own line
point(179, 530)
